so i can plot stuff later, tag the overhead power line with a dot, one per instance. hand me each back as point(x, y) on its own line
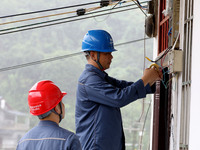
point(65, 7)
point(51, 24)
point(58, 58)
point(139, 6)
point(64, 13)
point(60, 19)
point(46, 16)
point(47, 10)
point(129, 42)
point(38, 62)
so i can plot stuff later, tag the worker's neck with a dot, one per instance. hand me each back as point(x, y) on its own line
point(52, 117)
point(93, 63)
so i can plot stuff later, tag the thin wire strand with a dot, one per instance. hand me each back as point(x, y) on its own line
point(53, 15)
point(56, 23)
point(60, 19)
point(47, 10)
point(140, 7)
point(132, 41)
point(38, 62)
point(142, 113)
point(34, 18)
point(141, 140)
point(110, 11)
point(165, 53)
point(54, 58)
point(87, 10)
point(144, 62)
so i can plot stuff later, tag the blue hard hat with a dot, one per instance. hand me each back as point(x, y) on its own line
point(98, 40)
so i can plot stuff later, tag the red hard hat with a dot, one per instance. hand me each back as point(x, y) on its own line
point(43, 97)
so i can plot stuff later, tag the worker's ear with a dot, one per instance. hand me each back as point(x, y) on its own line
point(57, 109)
point(93, 55)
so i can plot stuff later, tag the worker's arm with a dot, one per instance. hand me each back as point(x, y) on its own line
point(117, 83)
point(100, 91)
point(123, 84)
point(73, 143)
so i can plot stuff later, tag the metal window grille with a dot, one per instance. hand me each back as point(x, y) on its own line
point(163, 28)
point(186, 78)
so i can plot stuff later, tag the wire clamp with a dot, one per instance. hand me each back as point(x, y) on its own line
point(104, 3)
point(80, 12)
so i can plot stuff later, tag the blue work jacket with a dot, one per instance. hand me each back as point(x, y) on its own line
point(49, 136)
point(98, 116)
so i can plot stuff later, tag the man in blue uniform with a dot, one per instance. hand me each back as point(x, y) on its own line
point(100, 97)
point(45, 101)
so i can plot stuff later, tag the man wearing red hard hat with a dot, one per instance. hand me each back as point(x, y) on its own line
point(45, 101)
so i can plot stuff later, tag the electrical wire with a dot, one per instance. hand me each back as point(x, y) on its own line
point(47, 10)
point(109, 14)
point(139, 7)
point(165, 53)
point(162, 58)
point(60, 19)
point(140, 118)
point(52, 15)
point(16, 21)
point(90, 9)
point(142, 113)
point(141, 140)
point(59, 22)
point(167, 83)
point(132, 41)
point(63, 13)
point(54, 58)
point(38, 62)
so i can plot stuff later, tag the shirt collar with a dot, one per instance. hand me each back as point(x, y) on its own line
point(47, 123)
point(92, 68)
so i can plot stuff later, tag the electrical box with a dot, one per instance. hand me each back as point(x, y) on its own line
point(173, 60)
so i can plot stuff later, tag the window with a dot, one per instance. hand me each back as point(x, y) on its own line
point(186, 76)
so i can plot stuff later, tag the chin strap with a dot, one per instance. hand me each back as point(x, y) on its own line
point(60, 115)
point(98, 63)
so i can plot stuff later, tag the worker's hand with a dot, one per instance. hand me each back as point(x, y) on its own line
point(151, 75)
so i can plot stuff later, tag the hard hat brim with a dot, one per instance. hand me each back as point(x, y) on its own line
point(97, 50)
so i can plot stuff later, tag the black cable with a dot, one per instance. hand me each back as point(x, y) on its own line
point(140, 7)
point(38, 62)
point(166, 51)
point(60, 19)
point(116, 4)
point(67, 21)
point(46, 10)
point(54, 58)
point(140, 4)
point(132, 41)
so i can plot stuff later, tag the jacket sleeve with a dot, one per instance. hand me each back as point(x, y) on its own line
point(118, 83)
point(100, 91)
point(73, 143)
point(123, 84)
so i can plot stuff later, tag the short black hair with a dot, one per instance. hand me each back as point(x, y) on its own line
point(87, 54)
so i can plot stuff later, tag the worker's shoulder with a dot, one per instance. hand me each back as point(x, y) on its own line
point(89, 76)
point(67, 133)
